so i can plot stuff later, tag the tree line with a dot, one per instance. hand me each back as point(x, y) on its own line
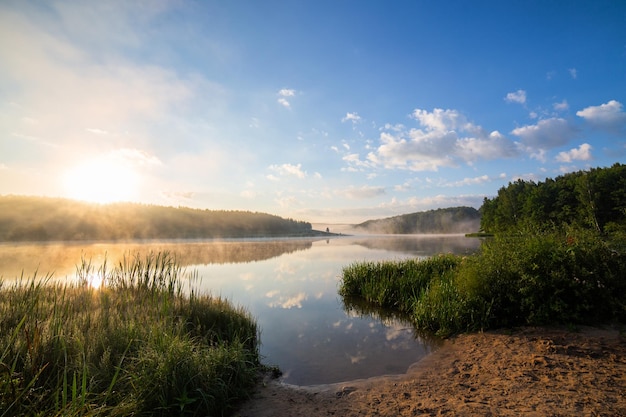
point(444, 220)
point(46, 219)
point(594, 199)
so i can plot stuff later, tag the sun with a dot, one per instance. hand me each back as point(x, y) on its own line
point(102, 180)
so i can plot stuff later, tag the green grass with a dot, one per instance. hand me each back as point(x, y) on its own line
point(137, 346)
point(394, 284)
point(554, 278)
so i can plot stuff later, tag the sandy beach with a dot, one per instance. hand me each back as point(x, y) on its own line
point(528, 371)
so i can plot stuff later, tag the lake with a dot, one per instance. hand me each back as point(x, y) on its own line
point(289, 286)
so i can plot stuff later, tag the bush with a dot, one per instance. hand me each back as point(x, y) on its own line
point(550, 278)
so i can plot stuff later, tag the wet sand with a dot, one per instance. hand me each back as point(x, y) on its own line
point(528, 371)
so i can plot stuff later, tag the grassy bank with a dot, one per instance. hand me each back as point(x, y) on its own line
point(137, 345)
point(573, 278)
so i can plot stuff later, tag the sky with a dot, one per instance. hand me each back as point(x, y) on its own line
point(327, 111)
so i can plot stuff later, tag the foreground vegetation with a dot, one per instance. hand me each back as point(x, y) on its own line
point(138, 345)
point(43, 219)
point(532, 279)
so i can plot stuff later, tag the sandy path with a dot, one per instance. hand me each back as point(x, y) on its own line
point(531, 371)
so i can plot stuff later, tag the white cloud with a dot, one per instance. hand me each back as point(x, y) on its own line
point(396, 128)
point(135, 157)
point(526, 177)
point(445, 140)
point(287, 202)
point(573, 73)
point(422, 151)
point(565, 169)
point(538, 154)
point(363, 192)
point(355, 163)
point(288, 170)
point(470, 181)
point(287, 92)
point(402, 187)
point(518, 96)
point(562, 106)
point(439, 119)
point(283, 94)
point(609, 115)
point(492, 147)
point(582, 153)
point(352, 117)
point(546, 134)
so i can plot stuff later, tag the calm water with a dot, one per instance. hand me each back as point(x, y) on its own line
point(290, 287)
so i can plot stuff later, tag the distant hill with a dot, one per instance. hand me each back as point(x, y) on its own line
point(445, 220)
point(47, 219)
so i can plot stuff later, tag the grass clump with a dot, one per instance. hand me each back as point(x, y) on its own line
point(394, 284)
point(138, 345)
point(534, 279)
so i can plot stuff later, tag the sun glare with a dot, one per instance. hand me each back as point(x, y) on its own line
point(95, 281)
point(102, 180)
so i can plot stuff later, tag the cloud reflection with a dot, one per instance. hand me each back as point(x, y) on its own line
point(286, 302)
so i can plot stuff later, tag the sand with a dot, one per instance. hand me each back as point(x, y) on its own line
point(528, 371)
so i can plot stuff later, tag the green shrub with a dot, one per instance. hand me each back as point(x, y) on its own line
point(549, 278)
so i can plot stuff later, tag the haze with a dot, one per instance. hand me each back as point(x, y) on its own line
point(322, 111)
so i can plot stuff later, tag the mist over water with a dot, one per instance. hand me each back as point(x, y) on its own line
point(289, 286)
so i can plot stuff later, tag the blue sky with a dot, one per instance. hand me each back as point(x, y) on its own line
point(324, 111)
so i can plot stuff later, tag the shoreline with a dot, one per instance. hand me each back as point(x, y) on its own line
point(532, 371)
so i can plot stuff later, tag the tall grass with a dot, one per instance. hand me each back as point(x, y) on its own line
point(574, 277)
point(138, 345)
point(394, 284)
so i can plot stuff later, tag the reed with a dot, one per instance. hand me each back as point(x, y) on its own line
point(137, 345)
point(394, 284)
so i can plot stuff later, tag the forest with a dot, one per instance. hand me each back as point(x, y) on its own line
point(594, 199)
point(444, 220)
point(47, 219)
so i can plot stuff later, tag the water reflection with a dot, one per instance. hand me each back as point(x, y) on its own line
point(290, 287)
point(62, 258)
point(421, 244)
